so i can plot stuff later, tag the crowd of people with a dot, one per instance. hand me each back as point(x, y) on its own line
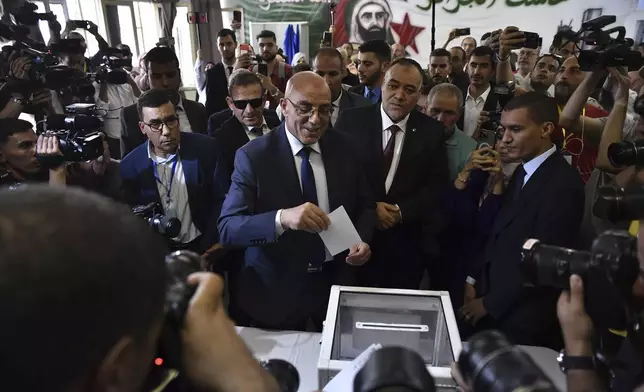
point(444, 170)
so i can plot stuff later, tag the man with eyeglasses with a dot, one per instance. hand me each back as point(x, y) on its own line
point(177, 171)
point(283, 187)
point(404, 153)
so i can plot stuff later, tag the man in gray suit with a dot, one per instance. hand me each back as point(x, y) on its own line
point(329, 64)
point(163, 72)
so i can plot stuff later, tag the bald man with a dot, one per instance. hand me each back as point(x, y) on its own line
point(284, 185)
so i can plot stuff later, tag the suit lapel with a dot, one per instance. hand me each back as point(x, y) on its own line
point(286, 166)
point(345, 101)
point(144, 166)
point(238, 134)
point(332, 168)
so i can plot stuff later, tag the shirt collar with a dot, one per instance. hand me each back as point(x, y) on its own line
point(387, 122)
point(456, 136)
point(180, 104)
point(152, 156)
point(297, 145)
point(533, 164)
point(263, 126)
point(482, 96)
point(336, 103)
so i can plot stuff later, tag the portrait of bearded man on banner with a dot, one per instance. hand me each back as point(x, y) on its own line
point(370, 19)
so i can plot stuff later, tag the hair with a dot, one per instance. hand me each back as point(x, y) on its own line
point(485, 36)
point(541, 108)
point(379, 47)
point(407, 62)
point(440, 52)
point(11, 126)
point(301, 68)
point(447, 88)
point(78, 272)
point(227, 32)
point(461, 49)
point(482, 51)
point(153, 99)
point(331, 53)
point(473, 39)
point(427, 84)
point(266, 34)
point(557, 58)
point(160, 55)
point(243, 77)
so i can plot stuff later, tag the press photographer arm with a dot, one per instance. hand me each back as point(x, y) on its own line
point(509, 39)
point(571, 118)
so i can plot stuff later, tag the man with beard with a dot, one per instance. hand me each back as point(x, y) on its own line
point(459, 77)
point(374, 58)
point(468, 44)
point(478, 100)
point(217, 76)
point(371, 20)
point(440, 66)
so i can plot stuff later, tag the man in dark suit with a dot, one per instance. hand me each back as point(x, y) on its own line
point(406, 179)
point(247, 123)
point(479, 98)
point(284, 185)
point(217, 120)
point(374, 58)
point(217, 76)
point(329, 64)
point(181, 180)
point(163, 73)
point(544, 200)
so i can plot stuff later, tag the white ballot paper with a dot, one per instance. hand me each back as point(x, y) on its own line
point(341, 234)
point(343, 381)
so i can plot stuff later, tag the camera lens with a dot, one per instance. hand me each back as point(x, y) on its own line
point(490, 363)
point(551, 266)
point(626, 153)
point(617, 205)
point(394, 369)
point(288, 379)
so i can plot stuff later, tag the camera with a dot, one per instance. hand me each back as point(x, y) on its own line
point(626, 153)
point(111, 71)
point(619, 205)
point(490, 363)
point(504, 92)
point(608, 51)
point(394, 368)
point(152, 213)
point(613, 255)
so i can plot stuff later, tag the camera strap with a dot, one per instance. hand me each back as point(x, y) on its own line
point(168, 187)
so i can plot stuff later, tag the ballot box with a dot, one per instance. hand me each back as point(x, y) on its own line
point(358, 317)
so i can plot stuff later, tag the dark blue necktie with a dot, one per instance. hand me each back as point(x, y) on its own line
point(310, 194)
point(372, 96)
point(520, 177)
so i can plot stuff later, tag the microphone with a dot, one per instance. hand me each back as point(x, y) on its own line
point(77, 122)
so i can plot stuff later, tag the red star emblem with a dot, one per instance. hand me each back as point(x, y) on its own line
point(407, 32)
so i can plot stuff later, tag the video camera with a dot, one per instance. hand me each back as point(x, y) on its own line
point(608, 51)
point(111, 69)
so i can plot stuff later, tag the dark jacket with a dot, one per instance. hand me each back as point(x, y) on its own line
point(218, 119)
point(216, 89)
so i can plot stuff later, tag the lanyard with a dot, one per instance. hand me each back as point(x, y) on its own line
point(168, 188)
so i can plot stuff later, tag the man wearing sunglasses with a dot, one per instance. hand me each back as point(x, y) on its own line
point(176, 170)
point(249, 119)
point(283, 186)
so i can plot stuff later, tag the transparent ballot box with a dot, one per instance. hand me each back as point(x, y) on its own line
point(358, 317)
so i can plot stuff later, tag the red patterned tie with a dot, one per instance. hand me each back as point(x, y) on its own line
point(388, 154)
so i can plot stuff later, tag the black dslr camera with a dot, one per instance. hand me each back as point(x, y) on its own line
point(153, 214)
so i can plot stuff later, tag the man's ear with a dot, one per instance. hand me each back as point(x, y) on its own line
point(114, 372)
point(142, 127)
point(385, 66)
point(547, 130)
point(229, 102)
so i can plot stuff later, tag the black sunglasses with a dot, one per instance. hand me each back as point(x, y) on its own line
point(254, 103)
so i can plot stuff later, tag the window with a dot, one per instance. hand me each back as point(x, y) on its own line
point(183, 46)
point(147, 29)
point(126, 29)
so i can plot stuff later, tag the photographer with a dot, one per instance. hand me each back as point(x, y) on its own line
point(19, 151)
point(86, 64)
point(95, 302)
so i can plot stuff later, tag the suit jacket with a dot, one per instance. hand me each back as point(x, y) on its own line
point(351, 79)
point(200, 162)
point(549, 208)
point(218, 119)
point(132, 137)
point(349, 100)
point(422, 170)
point(490, 105)
point(359, 89)
point(216, 89)
point(265, 180)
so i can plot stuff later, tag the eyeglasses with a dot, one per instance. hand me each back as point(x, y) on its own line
point(308, 109)
point(157, 125)
point(254, 103)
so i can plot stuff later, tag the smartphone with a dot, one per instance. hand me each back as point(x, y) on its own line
point(245, 49)
point(327, 38)
point(262, 69)
point(487, 138)
point(462, 32)
point(532, 40)
point(237, 16)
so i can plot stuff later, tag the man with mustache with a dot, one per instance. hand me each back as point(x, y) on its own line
point(374, 58)
point(404, 153)
point(283, 187)
point(479, 99)
point(371, 20)
point(440, 66)
point(180, 180)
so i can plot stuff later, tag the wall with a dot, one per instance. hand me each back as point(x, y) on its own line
point(409, 21)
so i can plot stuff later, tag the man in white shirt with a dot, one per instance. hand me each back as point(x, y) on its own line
point(479, 97)
point(200, 76)
point(526, 60)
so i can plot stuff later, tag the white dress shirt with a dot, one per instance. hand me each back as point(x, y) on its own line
point(336, 109)
point(118, 96)
point(177, 205)
point(473, 108)
point(184, 123)
point(400, 140)
point(533, 164)
point(200, 80)
point(320, 178)
point(264, 126)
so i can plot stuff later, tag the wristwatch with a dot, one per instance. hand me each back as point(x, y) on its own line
point(568, 362)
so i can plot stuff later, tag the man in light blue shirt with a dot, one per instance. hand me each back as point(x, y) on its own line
point(445, 103)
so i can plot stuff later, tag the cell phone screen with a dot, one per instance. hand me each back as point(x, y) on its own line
point(262, 69)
